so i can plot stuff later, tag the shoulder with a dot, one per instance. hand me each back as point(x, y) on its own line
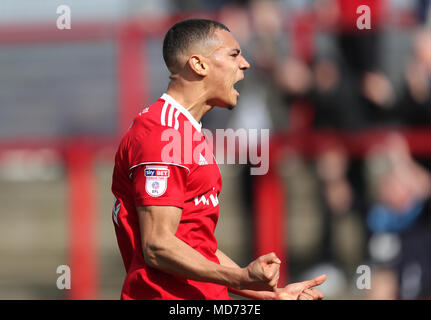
point(148, 119)
point(165, 114)
point(143, 137)
point(164, 132)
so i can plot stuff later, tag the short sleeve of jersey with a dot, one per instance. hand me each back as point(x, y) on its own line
point(146, 146)
point(158, 184)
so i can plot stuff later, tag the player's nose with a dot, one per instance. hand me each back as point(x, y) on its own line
point(244, 65)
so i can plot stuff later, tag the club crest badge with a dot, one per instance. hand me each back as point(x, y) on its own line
point(156, 180)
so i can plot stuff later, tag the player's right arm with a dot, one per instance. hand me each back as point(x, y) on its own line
point(164, 251)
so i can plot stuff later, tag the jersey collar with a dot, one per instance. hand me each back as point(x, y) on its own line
point(184, 111)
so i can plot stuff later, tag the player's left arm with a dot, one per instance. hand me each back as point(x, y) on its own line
point(295, 291)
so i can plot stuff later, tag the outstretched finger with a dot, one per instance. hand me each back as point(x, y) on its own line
point(315, 282)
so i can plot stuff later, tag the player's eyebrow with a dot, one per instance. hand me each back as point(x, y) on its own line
point(237, 51)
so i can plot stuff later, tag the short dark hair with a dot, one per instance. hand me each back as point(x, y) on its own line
point(185, 33)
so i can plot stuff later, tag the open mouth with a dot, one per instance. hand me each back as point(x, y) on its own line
point(235, 84)
point(235, 89)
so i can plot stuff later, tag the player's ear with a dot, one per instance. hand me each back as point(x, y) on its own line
point(198, 64)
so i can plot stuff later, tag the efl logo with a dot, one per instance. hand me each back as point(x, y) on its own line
point(156, 181)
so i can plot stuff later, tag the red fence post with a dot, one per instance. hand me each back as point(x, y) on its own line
point(83, 255)
point(269, 215)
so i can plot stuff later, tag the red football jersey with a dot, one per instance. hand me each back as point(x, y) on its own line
point(164, 160)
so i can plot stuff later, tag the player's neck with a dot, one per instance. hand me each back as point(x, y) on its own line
point(190, 99)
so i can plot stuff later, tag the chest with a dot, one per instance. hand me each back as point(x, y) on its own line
point(203, 179)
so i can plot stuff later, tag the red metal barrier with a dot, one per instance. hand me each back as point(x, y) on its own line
point(83, 253)
point(269, 221)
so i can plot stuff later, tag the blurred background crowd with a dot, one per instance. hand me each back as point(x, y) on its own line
point(365, 202)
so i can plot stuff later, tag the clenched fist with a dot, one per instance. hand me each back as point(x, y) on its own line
point(263, 273)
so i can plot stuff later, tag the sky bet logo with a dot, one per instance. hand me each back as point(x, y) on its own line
point(157, 173)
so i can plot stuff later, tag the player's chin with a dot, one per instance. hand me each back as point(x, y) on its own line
point(231, 105)
point(233, 100)
point(227, 100)
point(228, 104)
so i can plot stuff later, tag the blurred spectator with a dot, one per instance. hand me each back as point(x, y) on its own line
point(294, 77)
point(423, 9)
point(340, 209)
point(332, 167)
point(236, 16)
point(384, 284)
point(268, 43)
point(399, 220)
point(261, 104)
point(335, 97)
point(414, 106)
point(349, 88)
point(360, 50)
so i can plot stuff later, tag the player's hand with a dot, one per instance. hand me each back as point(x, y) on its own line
point(262, 273)
point(301, 290)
